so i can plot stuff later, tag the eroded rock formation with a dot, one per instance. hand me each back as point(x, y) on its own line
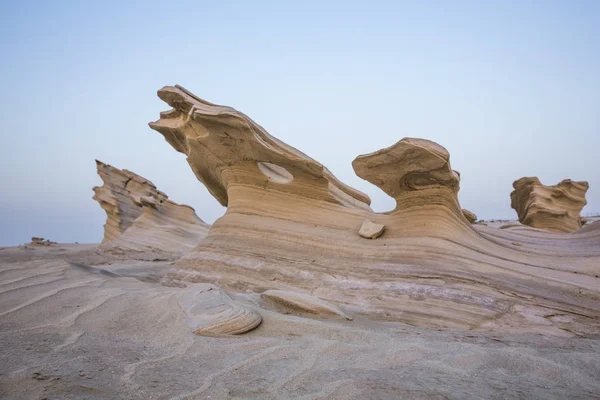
point(290, 225)
point(210, 311)
point(226, 150)
point(303, 303)
point(141, 217)
point(415, 172)
point(470, 216)
point(553, 208)
point(39, 241)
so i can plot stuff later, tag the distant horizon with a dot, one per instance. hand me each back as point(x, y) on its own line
point(509, 90)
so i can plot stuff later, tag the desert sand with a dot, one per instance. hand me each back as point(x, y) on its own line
point(301, 291)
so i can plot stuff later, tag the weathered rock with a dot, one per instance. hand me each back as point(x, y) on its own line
point(303, 302)
point(121, 196)
point(291, 224)
point(553, 208)
point(470, 216)
point(140, 217)
point(210, 311)
point(415, 172)
point(371, 230)
point(39, 241)
point(227, 150)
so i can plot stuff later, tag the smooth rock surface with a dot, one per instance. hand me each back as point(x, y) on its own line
point(210, 311)
point(72, 332)
point(303, 302)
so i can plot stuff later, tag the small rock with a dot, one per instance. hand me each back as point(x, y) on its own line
point(371, 230)
point(470, 216)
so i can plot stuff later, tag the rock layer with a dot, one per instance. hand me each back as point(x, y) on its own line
point(290, 225)
point(303, 302)
point(415, 172)
point(553, 208)
point(210, 311)
point(470, 216)
point(226, 149)
point(141, 217)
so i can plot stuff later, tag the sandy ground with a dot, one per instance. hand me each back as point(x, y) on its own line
point(70, 330)
point(497, 223)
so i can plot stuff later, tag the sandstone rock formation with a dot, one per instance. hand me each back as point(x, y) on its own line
point(553, 208)
point(228, 150)
point(415, 172)
point(290, 225)
point(470, 216)
point(371, 230)
point(140, 217)
point(210, 311)
point(39, 241)
point(303, 302)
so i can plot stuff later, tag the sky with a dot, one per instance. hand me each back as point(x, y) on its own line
point(510, 88)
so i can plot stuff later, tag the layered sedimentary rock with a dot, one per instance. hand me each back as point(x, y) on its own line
point(210, 311)
point(141, 217)
point(226, 149)
point(415, 172)
point(290, 225)
point(304, 303)
point(553, 208)
point(470, 216)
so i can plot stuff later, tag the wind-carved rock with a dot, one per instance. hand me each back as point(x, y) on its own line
point(226, 149)
point(415, 172)
point(469, 215)
point(141, 217)
point(210, 311)
point(553, 208)
point(290, 225)
point(121, 196)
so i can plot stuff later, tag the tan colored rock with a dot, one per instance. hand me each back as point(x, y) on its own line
point(470, 216)
point(39, 241)
point(210, 311)
point(552, 208)
point(415, 172)
point(226, 150)
point(140, 217)
point(290, 224)
point(303, 302)
point(371, 230)
point(121, 196)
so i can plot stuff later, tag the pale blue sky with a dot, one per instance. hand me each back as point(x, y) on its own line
point(510, 88)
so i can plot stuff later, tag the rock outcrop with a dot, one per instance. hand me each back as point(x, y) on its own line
point(39, 241)
point(123, 196)
point(470, 216)
point(303, 303)
point(210, 311)
point(291, 225)
point(226, 150)
point(141, 217)
point(415, 172)
point(371, 230)
point(553, 208)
